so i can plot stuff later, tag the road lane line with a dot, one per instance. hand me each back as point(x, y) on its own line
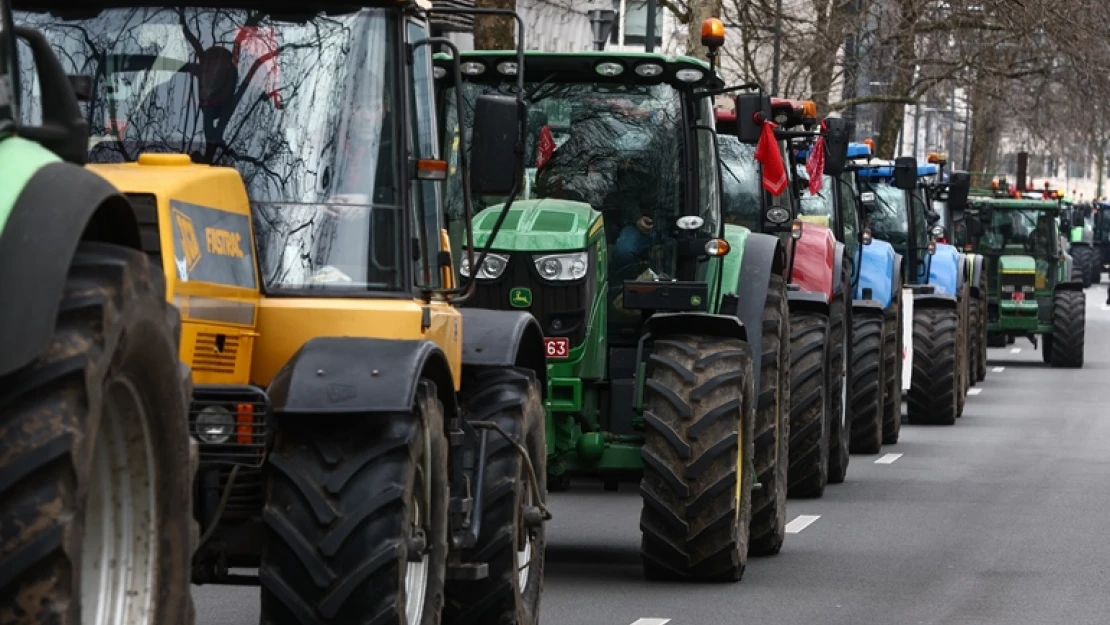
point(1016, 350)
point(998, 369)
point(974, 391)
point(888, 459)
point(803, 521)
point(651, 621)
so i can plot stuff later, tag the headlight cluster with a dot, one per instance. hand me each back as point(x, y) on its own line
point(562, 266)
point(492, 267)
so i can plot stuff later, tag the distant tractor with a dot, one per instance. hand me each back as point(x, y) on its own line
point(1030, 290)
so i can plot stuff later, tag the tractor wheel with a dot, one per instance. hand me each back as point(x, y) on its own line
point(935, 382)
point(699, 413)
point(839, 385)
point(772, 426)
point(809, 420)
point(980, 305)
point(963, 365)
point(1069, 326)
point(1083, 264)
point(973, 342)
point(1046, 348)
point(513, 546)
point(98, 466)
point(868, 377)
point(356, 518)
point(892, 370)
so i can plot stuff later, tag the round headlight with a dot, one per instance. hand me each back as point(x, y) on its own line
point(472, 68)
point(689, 75)
point(647, 70)
point(778, 215)
point(550, 268)
point(507, 68)
point(938, 232)
point(214, 425)
point(609, 69)
point(578, 269)
point(493, 265)
point(690, 222)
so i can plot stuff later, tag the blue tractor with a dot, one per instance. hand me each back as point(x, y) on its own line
point(896, 204)
point(876, 372)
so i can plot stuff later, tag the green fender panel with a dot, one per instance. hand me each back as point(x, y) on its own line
point(19, 160)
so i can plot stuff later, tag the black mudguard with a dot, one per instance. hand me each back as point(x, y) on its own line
point(663, 324)
point(49, 219)
point(962, 272)
point(1069, 286)
point(359, 376)
point(867, 305)
point(807, 301)
point(934, 300)
point(895, 286)
point(504, 338)
point(838, 262)
point(763, 255)
point(976, 275)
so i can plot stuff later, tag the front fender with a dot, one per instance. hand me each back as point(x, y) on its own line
point(46, 224)
point(976, 274)
point(504, 338)
point(877, 269)
point(944, 270)
point(727, 326)
point(814, 259)
point(961, 274)
point(1069, 286)
point(934, 300)
point(354, 375)
point(808, 301)
point(763, 255)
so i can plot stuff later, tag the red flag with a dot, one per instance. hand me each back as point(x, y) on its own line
point(545, 147)
point(815, 165)
point(767, 153)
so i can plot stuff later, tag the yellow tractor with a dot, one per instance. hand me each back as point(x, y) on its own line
point(375, 451)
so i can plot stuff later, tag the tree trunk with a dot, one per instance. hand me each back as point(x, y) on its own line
point(905, 62)
point(699, 12)
point(822, 62)
point(494, 32)
point(985, 132)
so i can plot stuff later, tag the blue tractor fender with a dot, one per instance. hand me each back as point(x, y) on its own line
point(944, 270)
point(876, 274)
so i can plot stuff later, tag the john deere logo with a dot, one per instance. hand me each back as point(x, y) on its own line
point(520, 297)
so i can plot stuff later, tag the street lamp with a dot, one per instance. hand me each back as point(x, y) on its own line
point(601, 20)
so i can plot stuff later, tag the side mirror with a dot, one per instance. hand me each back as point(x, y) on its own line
point(932, 216)
point(905, 173)
point(493, 166)
point(959, 184)
point(64, 130)
point(836, 146)
point(748, 105)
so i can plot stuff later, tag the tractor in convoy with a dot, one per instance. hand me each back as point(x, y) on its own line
point(375, 451)
point(93, 396)
point(898, 212)
point(1028, 270)
point(1101, 218)
point(947, 198)
point(818, 292)
point(1077, 221)
point(876, 406)
point(666, 329)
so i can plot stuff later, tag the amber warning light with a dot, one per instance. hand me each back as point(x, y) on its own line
point(712, 33)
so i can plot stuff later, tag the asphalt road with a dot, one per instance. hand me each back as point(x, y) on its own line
point(999, 519)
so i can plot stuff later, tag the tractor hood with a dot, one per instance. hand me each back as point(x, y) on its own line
point(1017, 264)
point(547, 225)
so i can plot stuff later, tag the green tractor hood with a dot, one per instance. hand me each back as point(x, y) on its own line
point(1017, 264)
point(546, 225)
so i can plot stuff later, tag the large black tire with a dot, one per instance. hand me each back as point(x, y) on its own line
point(99, 421)
point(809, 426)
point(699, 401)
point(979, 313)
point(343, 518)
point(772, 426)
point(1069, 327)
point(1083, 264)
point(511, 399)
point(892, 371)
point(973, 338)
point(935, 382)
point(840, 382)
point(963, 364)
point(868, 376)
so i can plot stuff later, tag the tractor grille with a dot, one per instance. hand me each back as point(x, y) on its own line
point(215, 353)
point(560, 308)
point(248, 408)
point(1018, 286)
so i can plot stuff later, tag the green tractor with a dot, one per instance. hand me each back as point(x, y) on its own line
point(667, 329)
point(93, 397)
point(1030, 290)
point(1078, 225)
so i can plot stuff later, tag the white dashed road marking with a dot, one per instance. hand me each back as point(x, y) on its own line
point(1016, 350)
point(651, 621)
point(998, 369)
point(888, 459)
point(803, 521)
point(974, 391)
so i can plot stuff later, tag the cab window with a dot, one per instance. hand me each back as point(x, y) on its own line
point(849, 212)
point(425, 193)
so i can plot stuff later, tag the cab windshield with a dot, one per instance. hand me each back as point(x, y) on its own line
point(741, 181)
point(817, 208)
point(890, 217)
point(305, 111)
point(1020, 231)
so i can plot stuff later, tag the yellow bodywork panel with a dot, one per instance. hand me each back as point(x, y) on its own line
point(285, 324)
point(207, 256)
